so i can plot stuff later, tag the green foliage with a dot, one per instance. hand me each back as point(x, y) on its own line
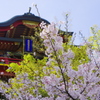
point(29, 65)
point(80, 57)
point(38, 41)
point(33, 68)
point(95, 38)
point(43, 92)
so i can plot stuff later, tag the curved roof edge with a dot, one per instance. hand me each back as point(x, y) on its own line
point(26, 16)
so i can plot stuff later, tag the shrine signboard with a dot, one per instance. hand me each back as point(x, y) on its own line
point(28, 45)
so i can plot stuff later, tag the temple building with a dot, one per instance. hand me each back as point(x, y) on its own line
point(12, 35)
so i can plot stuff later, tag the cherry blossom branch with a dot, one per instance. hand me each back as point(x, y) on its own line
point(91, 53)
point(59, 65)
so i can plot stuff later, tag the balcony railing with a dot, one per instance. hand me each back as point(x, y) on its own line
point(4, 62)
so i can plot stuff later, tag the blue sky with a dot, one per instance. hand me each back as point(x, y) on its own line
point(83, 14)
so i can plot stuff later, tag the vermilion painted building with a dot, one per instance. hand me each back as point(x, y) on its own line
point(11, 41)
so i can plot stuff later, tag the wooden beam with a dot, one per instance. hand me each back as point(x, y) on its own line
point(11, 39)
